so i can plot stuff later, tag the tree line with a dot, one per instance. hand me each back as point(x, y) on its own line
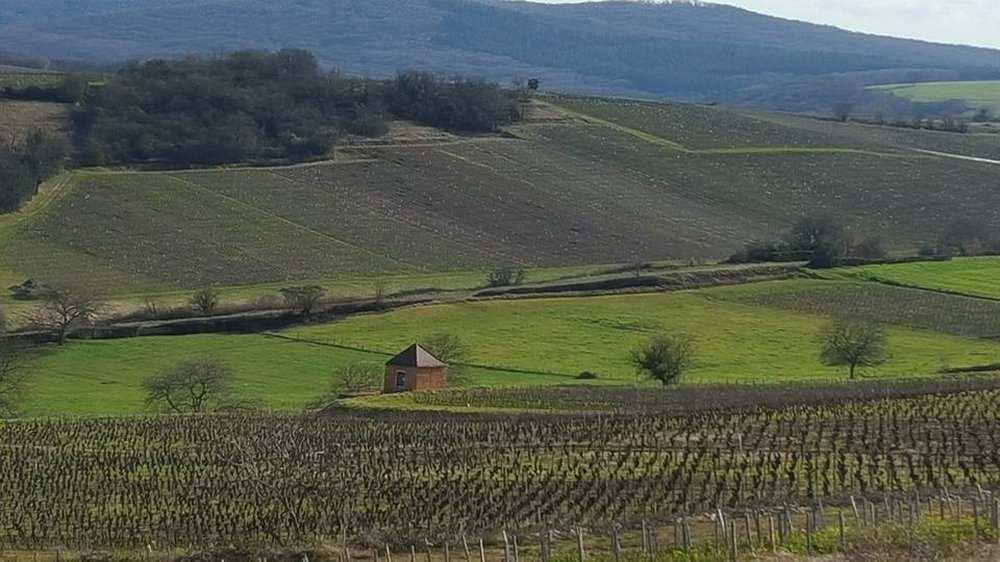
point(242, 107)
point(25, 165)
point(253, 105)
point(823, 241)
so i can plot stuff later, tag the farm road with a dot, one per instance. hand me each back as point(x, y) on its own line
point(958, 156)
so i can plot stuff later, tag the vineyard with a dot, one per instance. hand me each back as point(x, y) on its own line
point(699, 127)
point(875, 302)
point(558, 191)
point(397, 480)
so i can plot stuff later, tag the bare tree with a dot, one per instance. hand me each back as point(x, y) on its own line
point(64, 308)
point(853, 344)
point(380, 288)
point(192, 387)
point(505, 276)
point(450, 349)
point(304, 299)
point(205, 300)
point(12, 376)
point(664, 357)
point(347, 380)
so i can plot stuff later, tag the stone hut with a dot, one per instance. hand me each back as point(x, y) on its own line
point(414, 369)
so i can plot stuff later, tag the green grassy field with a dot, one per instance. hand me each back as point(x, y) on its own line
point(875, 302)
point(968, 276)
point(976, 94)
point(760, 333)
point(737, 342)
point(19, 79)
point(93, 378)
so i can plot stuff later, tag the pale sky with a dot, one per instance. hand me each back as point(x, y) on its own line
point(968, 22)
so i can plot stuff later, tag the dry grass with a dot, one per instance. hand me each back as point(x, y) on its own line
point(17, 118)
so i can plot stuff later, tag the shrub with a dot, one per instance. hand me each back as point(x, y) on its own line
point(587, 376)
point(205, 300)
point(304, 299)
point(505, 276)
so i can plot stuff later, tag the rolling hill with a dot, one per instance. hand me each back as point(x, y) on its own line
point(676, 49)
point(584, 181)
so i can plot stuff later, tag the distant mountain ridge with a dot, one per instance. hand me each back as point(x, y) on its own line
point(699, 51)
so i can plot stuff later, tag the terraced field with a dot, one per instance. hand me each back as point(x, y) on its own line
point(564, 192)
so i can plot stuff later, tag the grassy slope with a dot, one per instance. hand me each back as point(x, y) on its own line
point(968, 276)
point(755, 333)
point(558, 196)
point(976, 94)
point(104, 377)
point(980, 145)
point(914, 308)
point(737, 342)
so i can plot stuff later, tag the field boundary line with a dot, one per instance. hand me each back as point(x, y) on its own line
point(363, 350)
point(898, 284)
point(40, 202)
point(674, 145)
point(976, 159)
point(294, 224)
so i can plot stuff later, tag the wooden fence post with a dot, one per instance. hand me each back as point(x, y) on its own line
point(517, 553)
point(975, 519)
point(770, 533)
point(579, 544)
point(733, 546)
point(645, 537)
point(506, 547)
point(388, 553)
point(615, 543)
point(482, 550)
point(843, 535)
point(465, 545)
point(809, 530)
point(413, 553)
point(447, 552)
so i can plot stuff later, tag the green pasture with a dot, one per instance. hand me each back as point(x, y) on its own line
point(737, 343)
point(968, 276)
point(93, 378)
point(976, 94)
point(762, 333)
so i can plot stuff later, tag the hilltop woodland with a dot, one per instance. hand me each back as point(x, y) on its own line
point(243, 107)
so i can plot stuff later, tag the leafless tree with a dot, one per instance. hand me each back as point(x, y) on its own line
point(854, 344)
point(303, 300)
point(192, 387)
point(347, 380)
point(450, 349)
point(64, 308)
point(205, 300)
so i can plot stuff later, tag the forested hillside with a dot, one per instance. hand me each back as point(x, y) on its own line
point(673, 49)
